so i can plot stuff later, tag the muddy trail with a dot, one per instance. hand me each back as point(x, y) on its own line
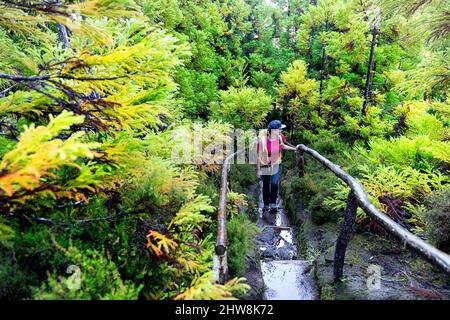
point(285, 275)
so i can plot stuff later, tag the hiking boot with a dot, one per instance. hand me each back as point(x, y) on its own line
point(267, 215)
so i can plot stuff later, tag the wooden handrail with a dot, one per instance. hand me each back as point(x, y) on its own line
point(220, 257)
point(358, 197)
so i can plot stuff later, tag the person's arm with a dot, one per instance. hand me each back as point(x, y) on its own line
point(288, 146)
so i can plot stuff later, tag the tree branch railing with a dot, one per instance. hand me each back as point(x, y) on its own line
point(358, 197)
point(220, 257)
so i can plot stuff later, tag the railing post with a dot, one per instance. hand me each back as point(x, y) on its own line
point(221, 240)
point(220, 265)
point(300, 161)
point(345, 235)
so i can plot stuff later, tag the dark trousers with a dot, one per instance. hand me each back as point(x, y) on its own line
point(271, 185)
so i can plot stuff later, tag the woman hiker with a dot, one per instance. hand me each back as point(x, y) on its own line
point(268, 165)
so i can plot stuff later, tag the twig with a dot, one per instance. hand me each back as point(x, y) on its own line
point(114, 216)
point(4, 92)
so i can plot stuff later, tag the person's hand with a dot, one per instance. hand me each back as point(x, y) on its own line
point(297, 147)
point(258, 174)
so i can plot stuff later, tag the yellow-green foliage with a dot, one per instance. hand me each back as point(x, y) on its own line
point(431, 75)
point(128, 98)
point(179, 245)
point(28, 18)
point(404, 184)
point(234, 201)
point(425, 140)
point(190, 215)
point(403, 151)
point(407, 184)
point(105, 104)
point(196, 145)
point(158, 181)
point(298, 94)
point(203, 288)
point(31, 165)
point(296, 86)
point(405, 167)
point(419, 120)
point(370, 125)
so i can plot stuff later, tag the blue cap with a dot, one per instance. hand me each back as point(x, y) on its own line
point(276, 124)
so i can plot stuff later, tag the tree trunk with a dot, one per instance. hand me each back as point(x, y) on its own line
point(312, 37)
point(322, 71)
point(369, 71)
point(311, 44)
point(345, 235)
point(322, 67)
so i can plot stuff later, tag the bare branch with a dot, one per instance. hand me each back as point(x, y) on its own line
point(4, 92)
point(48, 76)
point(45, 7)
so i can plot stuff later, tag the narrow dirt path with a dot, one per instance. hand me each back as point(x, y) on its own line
point(285, 276)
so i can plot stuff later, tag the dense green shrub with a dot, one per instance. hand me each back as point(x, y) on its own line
point(197, 91)
point(94, 276)
point(244, 108)
point(241, 235)
point(242, 176)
